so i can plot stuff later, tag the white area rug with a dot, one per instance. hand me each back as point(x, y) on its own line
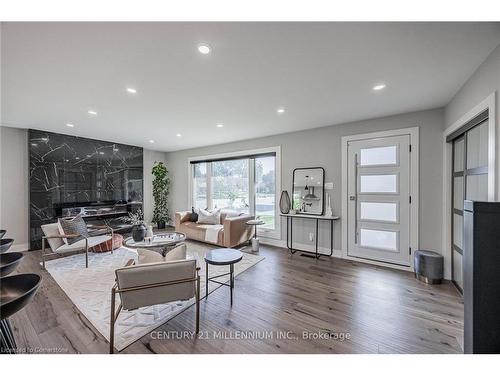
point(90, 290)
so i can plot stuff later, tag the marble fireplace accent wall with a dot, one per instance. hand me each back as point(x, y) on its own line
point(68, 171)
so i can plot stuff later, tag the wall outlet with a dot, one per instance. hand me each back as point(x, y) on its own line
point(311, 237)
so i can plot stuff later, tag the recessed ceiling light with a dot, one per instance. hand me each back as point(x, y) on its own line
point(77, 158)
point(379, 87)
point(151, 141)
point(70, 125)
point(178, 135)
point(220, 125)
point(92, 112)
point(101, 152)
point(204, 49)
point(131, 90)
point(281, 110)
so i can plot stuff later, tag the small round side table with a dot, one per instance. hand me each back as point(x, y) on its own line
point(255, 239)
point(222, 257)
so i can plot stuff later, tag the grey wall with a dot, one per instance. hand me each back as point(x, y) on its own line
point(484, 81)
point(149, 159)
point(14, 185)
point(322, 147)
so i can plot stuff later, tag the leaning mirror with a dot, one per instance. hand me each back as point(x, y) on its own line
point(308, 190)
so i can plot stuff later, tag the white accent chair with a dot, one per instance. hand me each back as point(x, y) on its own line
point(152, 284)
point(57, 245)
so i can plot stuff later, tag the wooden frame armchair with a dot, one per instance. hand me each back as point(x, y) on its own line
point(57, 245)
point(152, 284)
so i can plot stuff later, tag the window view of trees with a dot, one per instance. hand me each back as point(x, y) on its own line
point(265, 190)
point(200, 185)
point(229, 186)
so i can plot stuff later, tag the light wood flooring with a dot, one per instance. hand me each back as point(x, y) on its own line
point(308, 302)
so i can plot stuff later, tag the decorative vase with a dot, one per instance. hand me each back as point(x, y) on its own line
point(285, 202)
point(161, 225)
point(139, 232)
point(149, 232)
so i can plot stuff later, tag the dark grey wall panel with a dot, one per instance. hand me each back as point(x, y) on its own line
point(67, 171)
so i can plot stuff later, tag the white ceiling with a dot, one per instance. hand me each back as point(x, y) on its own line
point(322, 73)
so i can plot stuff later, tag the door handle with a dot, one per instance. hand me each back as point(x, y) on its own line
point(352, 198)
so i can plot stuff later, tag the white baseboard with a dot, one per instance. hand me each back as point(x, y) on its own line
point(280, 243)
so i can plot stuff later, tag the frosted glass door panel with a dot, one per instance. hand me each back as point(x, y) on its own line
point(458, 164)
point(458, 224)
point(379, 239)
point(477, 187)
point(379, 156)
point(457, 269)
point(458, 193)
point(477, 146)
point(379, 211)
point(382, 183)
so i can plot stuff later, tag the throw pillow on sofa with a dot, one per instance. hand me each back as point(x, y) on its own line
point(207, 217)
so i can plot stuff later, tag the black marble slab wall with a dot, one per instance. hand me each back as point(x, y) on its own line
point(68, 171)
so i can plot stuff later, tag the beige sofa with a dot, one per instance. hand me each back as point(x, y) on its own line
point(235, 231)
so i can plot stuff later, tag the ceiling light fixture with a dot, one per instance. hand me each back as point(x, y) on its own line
point(178, 135)
point(379, 87)
point(204, 49)
point(220, 125)
point(281, 110)
point(70, 125)
point(131, 90)
point(151, 141)
point(92, 112)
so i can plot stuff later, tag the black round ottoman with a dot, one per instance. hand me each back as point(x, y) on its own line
point(428, 266)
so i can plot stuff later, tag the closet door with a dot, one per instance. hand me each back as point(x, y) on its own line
point(457, 211)
point(470, 181)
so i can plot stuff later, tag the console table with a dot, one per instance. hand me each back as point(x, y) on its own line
point(289, 229)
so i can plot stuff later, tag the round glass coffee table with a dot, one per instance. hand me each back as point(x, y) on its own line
point(161, 242)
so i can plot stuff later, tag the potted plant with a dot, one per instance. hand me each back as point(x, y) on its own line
point(161, 184)
point(139, 226)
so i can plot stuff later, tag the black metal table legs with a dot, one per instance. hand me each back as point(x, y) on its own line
point(212, 279)
point(289, 237)
point(231, 280)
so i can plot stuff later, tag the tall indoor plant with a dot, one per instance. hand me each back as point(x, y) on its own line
point(161, 184)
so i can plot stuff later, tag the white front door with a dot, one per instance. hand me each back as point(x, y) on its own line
point(378, 186)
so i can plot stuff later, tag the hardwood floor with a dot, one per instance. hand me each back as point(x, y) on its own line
point(309, 302)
